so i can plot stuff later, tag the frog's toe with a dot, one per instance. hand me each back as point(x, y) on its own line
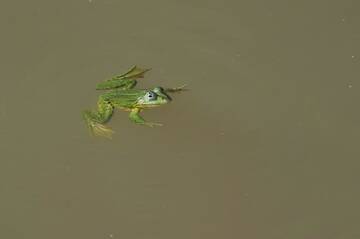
point(153, 124)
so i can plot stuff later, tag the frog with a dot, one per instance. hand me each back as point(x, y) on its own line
point(120, 93)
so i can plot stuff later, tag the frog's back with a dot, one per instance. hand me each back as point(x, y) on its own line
point(123, 98)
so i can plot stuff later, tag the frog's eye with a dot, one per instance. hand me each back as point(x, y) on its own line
point(150, 96)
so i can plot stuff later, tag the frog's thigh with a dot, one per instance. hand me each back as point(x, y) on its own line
point(105, 110)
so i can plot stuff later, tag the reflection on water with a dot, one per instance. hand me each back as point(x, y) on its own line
point(264, 145)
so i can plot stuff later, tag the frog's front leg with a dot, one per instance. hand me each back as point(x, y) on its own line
point(137, 119)
point(96, 119)
point(176, 89)
point(124, 81)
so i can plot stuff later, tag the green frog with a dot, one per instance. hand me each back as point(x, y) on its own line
point(122, 95)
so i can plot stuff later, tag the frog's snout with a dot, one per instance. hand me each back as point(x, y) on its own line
point(160, 92)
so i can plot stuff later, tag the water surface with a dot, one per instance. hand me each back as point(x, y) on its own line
point(264, 145)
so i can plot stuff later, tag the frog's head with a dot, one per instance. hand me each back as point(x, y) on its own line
point(154, 97)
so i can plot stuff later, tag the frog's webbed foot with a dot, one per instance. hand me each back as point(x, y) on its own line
point(124, 81)
point(134, 73)
point(95, 127)
point(137, 119)
point(176, 89)
point(98, 129)
point(95, 120)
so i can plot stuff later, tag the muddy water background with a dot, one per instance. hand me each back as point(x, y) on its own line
point(264, 145)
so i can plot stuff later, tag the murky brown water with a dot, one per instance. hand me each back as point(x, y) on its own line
point(264, 145)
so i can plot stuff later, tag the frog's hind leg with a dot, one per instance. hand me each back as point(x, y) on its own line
point(124, 81)
point(137, 119)
point(95, 120)
point(116, 84)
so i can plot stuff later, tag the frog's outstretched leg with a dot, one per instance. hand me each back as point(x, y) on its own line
point(124, 81)
point(137, 119)
point(96, 119)
point(176, 89)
